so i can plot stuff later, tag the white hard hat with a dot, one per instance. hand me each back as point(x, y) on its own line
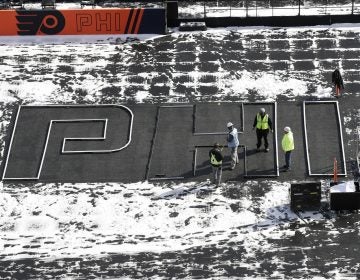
point(262, 110)
point(287, 129)
point(229, 124)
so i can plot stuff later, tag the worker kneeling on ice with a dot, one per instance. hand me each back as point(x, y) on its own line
point(216, 159)
point(233, 143)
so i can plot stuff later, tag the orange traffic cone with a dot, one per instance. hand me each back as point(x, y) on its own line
point(335, 171)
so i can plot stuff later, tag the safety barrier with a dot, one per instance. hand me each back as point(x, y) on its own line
point(82, 22)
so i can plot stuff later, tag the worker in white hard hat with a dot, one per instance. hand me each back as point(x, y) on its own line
point(233, 143)
point(288, 146)
point(263, 125)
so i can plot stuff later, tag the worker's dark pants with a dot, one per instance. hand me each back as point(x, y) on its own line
point(287, 159)
point(217, 173)
point(262, 133)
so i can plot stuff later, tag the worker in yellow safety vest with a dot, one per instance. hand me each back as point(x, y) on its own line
point(263, 125)
point(288, 146)
point(216, 159)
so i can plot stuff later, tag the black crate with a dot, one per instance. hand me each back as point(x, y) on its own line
point(345, 201)
point(306, 188)
point(305, 203)
point(305, 196)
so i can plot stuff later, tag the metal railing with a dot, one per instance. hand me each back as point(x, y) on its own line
point(228, 8)
point(266, 8)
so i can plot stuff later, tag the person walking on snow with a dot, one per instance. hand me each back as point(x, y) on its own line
point(337, 81)
point(233, 143)
point(263, 125)
point(288, 146)
point(216, 159)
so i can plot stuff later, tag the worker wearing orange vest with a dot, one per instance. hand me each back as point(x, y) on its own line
point(263, 125)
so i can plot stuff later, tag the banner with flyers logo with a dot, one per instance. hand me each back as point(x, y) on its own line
point(82, 22)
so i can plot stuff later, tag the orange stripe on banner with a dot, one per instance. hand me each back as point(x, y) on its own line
point(135, 22)
point(128, 21)
point(139, 21)
point(132, 21)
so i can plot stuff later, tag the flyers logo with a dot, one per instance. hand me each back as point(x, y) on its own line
point(40, 22)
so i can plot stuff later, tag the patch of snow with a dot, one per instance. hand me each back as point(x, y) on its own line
point(74, 214)
point(214, 9)
point(323, 92)
point(34, 91)
point(266, 85)
point(75, 39)
point(5, 96)
point(348, 131)
point(346, 120)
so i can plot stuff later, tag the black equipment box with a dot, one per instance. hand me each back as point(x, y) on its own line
point(346, 199)
point(172, 10)
point(305, 196)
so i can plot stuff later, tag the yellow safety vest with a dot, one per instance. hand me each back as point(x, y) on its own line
point(262, 123)
point(214, 161)
point(287, 142)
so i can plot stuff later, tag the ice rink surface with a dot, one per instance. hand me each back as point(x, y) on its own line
point(183, 229)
